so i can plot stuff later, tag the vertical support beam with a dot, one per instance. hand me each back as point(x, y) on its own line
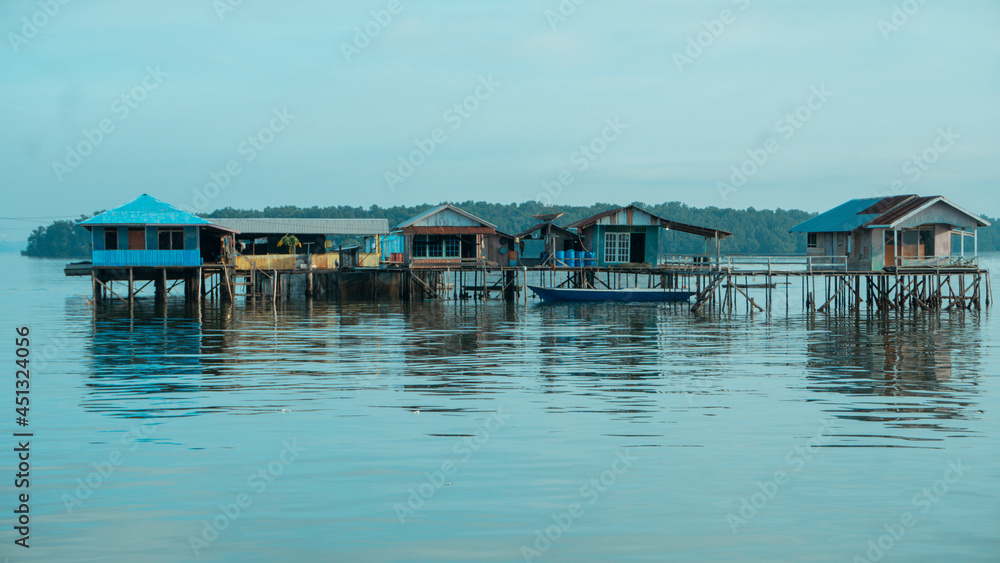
point(131, 286)
point(96, 286)
point(163, 285)
point(895, 249)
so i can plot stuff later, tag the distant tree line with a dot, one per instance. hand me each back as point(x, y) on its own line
point(61, 239)
point(754, 231)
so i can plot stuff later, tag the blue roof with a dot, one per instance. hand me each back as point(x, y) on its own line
point(146, 210)
point(844, 218)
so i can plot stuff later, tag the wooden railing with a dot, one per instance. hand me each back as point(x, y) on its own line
point(327, 261)
point(938, 262)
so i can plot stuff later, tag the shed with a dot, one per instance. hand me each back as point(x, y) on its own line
point(903, 231)
point(631, 235)
point(147, 232)
point(539, 243)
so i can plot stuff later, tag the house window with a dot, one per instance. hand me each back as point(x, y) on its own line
point(616, 247)
point(913, 243)
point(420, 246)
point(171, 239)
point(110, 238)
point(436, 246)
point(811, 240)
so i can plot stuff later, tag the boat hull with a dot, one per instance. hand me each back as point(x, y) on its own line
point(619, 295)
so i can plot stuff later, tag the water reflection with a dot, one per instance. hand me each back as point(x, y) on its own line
point(913, 376)
point(916, 372)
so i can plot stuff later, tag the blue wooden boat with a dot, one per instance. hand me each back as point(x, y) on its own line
point(629, 294)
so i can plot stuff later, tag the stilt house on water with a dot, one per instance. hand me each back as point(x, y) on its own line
point(259, 238)
point(152, 241)
point(631, 235)
point(447, 236)
point(896, 232)
point(148, 233)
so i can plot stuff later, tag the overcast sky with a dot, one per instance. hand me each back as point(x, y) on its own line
point(732, 103)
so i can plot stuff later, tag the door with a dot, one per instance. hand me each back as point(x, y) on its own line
point(137, 239)
point(637, 248)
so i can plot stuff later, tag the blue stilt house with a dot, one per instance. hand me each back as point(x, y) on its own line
point(631, 236)
point(147, 232)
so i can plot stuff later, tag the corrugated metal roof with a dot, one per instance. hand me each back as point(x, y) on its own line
point(449, 230)
point(886, 204)
point(874, 212)
point(553, 226)
point(672, 225)
point(145, 210)
point(447, 206)
point(917, 205)
point(901, 210)
point(845, 217)
point(282, 226)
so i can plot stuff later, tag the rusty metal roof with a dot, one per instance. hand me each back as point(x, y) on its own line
point(884, 204)
point(673, 225)
point(426, 215)
point(874, 212)
point(448, 230)
point(901, 209)
point(564, 232)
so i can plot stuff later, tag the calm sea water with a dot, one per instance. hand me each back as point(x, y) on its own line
point(471, 432)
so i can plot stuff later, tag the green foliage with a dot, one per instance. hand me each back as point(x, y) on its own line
point(291, 241)
point(61, 239)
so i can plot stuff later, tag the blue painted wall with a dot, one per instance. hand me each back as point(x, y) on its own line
point(146, 258)
point(652, 241)
point(152, 256)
